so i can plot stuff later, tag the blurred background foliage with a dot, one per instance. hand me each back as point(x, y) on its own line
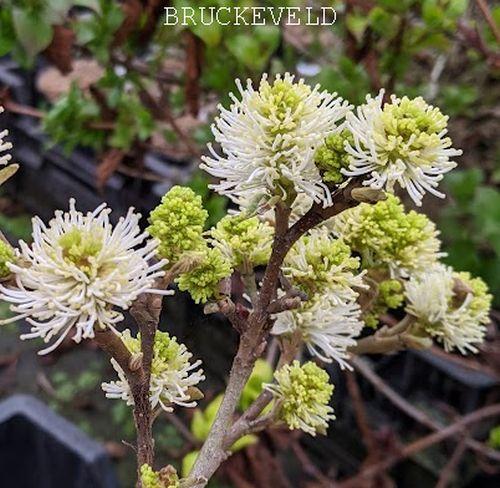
point(117, 81)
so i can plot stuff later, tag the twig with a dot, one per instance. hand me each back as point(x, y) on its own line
point(361, 417)
point(362, 367)
point(421, 444)
point(451, 466)
point(485, 10)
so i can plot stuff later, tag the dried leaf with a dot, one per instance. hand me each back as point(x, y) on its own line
point(59, 50)
point(108, 165)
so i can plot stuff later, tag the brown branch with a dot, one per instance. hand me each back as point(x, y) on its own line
point(485, 10)
point(361, 417)
point(253, 338)
point(451, 466)
point(396, 399)
point(421, 444)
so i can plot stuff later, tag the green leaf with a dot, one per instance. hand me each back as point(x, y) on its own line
point(33, 33)
point(188, 462)
point(243, 442)
point(356, 25)
point(211, 34)
point(462, 184)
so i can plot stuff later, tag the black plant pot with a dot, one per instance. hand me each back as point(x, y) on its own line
point(40, 449)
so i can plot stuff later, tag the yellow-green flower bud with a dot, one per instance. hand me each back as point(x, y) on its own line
point(386, 236)
point(331, 157)
point(245, 241)
point(203, 282)
point(6, 256)
point(177, 223)
point(304, 393)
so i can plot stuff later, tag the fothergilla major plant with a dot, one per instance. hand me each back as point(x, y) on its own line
point(317, 241)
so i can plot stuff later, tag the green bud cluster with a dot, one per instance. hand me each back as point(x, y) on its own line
point(152, 479)
point(331, 157)
point(177, 223)
point(318, 260)
point(480, 303)
point(411, 125)
point(245, 241)
point(304, 393)
point(385, 235)
point(202, 283)
point(280, 99)
point(390, 296)
point(6, 256)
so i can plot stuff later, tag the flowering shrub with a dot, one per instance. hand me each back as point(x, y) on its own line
point(320, 244)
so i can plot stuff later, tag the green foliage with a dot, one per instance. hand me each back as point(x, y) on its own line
point(494, 437)
point(68, 386)
point(262, 373)
point(69, 121)
point(470, 226)
point(97, 31)
point(200, 427)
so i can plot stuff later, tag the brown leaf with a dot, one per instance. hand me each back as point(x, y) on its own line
point(108, 165)
point(193, 72)
point(115, 450)
point(132, 10)
point(59, 50)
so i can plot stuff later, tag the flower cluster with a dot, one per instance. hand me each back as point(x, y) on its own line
point(245, 241)
point(389, 295)
point(327, 327)
point(318, 261)
point(451, 307)
point(166, 478)
point(177, 223)
point(7, 172)
point(323, 268)
point(387, 236)
point(332, 157)
point(6, 256)
point(269, 138)
point(4, 146)
point(78, 269)
point(303, 393)
point(172, 376)
point(203, 281)
point(402, 142)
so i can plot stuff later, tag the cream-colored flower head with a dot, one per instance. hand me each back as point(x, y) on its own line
point(77, 271)
point(304, 393)
point(172, 375)
point(269, 137)
point(5, 157)
point(4, 145)
point(318, 261)
point(402, 142)
point(451, 307)
point(328, 327)
point(387, 236)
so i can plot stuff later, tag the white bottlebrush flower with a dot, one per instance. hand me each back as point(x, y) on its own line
point(78, 269)
point(4, 145)
point(172, 376)
point(303, 393)
point(403, 142)
point(318, 261)
point(451, 307)
point(5, 157)
point(328, 327)
point(269, 137)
